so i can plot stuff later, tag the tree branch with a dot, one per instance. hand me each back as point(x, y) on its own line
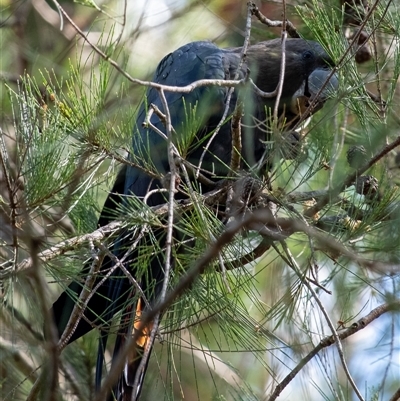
point(330, 340)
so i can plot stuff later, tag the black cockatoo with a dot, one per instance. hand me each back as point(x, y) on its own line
point(308, 73)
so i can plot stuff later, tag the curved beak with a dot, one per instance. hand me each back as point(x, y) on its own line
point(318, 83)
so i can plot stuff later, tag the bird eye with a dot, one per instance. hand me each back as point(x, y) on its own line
point(307, 54)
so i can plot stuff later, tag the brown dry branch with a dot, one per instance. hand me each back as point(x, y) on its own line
point(253, 220)
point(177, 89)
point(119, 263)
point(49, 375)
point(296, 268)
point(87, 291)
point(236, 140)
point(286, 25)
point(81, 303)
point(65, 246)
point(333, 193)
point(330, 340)
point(279, 88)
point(395, 396)
point(210, 199)
point(185, 282)
point(23, 363)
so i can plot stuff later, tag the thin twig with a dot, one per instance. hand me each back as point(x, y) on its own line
point(332, 194)
point(248, 221)
point(172, 150)
point(210, 198)
point(288, 26)
point(148, 124)
point(119, 263)
point(70, 244)
point(330, 340)
point(342, 60)
point(79, 306)
point(49, 376)
point(184, 89)
point(236, 141)
point(282, 70)
point(6, 163)
point(243, 54)
point(321, 306)
point(185, 282)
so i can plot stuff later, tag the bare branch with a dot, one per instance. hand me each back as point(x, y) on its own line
point(243, 53)
point(336, 338)
point(351, 178)
point(274, 24)
point(395, 396)
point(81, 304)
point(328, 341)
point(236, 140)
point(250, 220)
point(68, 245)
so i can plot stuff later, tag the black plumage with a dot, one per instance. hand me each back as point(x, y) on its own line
point(307, 69)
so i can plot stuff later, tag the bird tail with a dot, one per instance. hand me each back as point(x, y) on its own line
point(130, 382)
